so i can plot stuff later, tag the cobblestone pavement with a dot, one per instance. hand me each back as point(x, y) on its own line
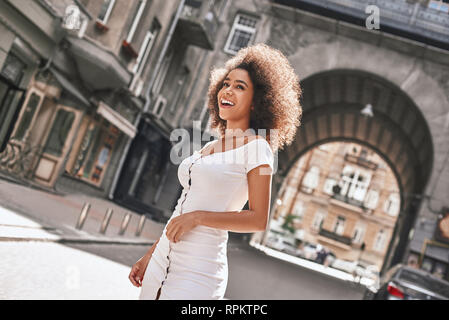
point(89, 270)
point(62, 212)
point(44, 270)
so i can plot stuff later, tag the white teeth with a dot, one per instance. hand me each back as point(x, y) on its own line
point(227, 101)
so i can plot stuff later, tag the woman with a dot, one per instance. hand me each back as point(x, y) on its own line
point(257, 89)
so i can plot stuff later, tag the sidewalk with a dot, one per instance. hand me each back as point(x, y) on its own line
point(54, 218)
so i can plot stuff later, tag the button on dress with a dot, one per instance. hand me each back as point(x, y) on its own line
point(196, 267)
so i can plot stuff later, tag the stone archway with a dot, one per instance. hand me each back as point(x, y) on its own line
point(398, 131)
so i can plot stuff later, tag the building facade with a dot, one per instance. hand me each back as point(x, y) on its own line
point(101, 100)
point(342, 196)
point(391, 55)
point(99, 85)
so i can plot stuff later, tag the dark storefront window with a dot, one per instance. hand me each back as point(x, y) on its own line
point(13, 69)
point(59, 132)
point(28, 114)
point(95, 151)
point(143, 178)
point(11, 95)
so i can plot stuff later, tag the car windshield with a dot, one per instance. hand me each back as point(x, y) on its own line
point(426, 282)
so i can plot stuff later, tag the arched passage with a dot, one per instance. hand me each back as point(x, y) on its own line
point(398, 131)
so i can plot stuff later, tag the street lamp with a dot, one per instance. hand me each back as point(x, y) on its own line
point(367, 111)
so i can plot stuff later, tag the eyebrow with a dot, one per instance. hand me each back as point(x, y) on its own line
point(227, 78)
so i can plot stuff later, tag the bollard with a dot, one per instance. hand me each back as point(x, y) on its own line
point(106, 219)
point(83, 215)
point(125, 223)
point(140, 226)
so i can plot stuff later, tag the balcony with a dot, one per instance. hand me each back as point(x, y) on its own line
point(198, 23)
point(346, 199)
point(361, 161)
point(399, 17)
point(336, 237)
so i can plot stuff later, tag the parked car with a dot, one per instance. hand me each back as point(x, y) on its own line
point(275, 242)
point(290, 249)
point(406, 283)
point(283, 244)
point(344, 265)
point(310, 250)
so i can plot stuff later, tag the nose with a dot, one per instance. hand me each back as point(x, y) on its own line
point(228, 91)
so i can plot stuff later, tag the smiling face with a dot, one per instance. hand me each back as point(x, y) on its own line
point(235, 98)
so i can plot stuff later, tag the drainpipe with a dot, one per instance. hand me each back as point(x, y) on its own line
point(147, 98)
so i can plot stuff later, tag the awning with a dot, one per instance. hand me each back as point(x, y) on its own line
point(116, 119)
point(67, 85)
point(99, 68)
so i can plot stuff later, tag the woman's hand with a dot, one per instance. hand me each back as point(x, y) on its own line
point(138, 271)
point(181, 225)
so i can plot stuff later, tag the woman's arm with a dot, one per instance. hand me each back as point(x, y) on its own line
point(151, 250)
point(252, 220)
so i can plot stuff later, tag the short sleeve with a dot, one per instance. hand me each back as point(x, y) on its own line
point(259, 153)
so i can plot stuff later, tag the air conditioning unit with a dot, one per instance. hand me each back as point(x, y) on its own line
point(159, 106)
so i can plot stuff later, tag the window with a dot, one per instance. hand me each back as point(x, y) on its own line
point(162, 72)
point(180, 85)
point(441, 5)
point(392, 205)
point(218, 6)
point(287, 198)
point(298, 210)
point(203, 114)
point(146, 47)
point(379, 242)
point(242, 32)
point(371, 199)
point(339, 226)
point(13, 69)
point(11, 95)
point(59, 132)
point(328, 185)
point(95, 151)
point(354, 183)
point(105, 11)
point(318, 220)
point(34, 101)
point(138, 14)
point(311, 179)
point(359, 233)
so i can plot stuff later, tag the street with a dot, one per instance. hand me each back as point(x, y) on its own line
point(252, 275)
point(36, 264)
point(50, 271)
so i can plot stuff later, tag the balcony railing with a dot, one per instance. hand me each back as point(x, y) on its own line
point(198, 23)
point(361, 161)
point(348, 200)
point(410, 20)
point(334, 236)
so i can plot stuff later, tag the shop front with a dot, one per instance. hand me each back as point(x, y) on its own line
point(97, 148)
point(148, 181)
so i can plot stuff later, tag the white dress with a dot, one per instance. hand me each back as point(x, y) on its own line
point(196, 267)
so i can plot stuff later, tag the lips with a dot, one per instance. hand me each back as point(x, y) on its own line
point(224, 103)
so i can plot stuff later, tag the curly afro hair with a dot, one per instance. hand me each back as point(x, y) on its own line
point(277, 93)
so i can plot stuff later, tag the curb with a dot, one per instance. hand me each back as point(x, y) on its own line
point(76, 241)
